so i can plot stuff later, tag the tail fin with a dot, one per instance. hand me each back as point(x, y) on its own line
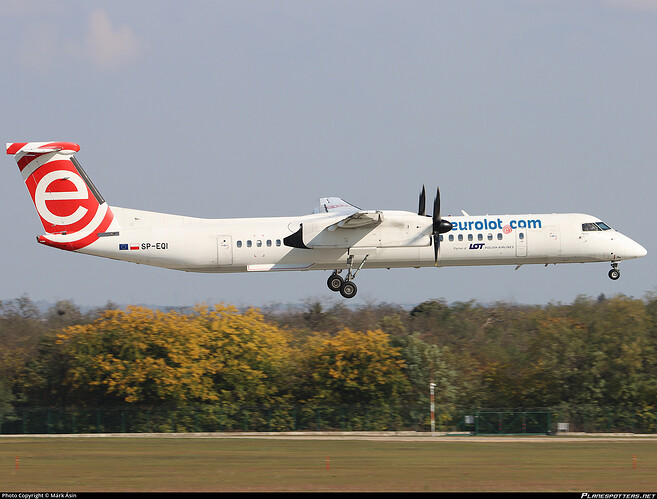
point(70, 207)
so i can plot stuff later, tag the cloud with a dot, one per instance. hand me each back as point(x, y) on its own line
point(107, 47)
point(103, 45)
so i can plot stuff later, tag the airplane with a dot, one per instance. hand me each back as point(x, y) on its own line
point(336, 236)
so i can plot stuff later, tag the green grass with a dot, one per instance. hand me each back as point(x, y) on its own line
point(152, 464)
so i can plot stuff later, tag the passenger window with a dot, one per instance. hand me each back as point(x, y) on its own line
point(249, 244)
point(480, 237)
point(278, 242)
point(499, 236)
point(269, 243)
point(521, 235)
point(441, 238)
point(239, 244)
point(470, 237)
point(259, 243)
point(460, 237)
point(451, 237)
point(490, 236)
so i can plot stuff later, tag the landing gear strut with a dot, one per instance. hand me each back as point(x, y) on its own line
point(614, 273)
point(347, 287)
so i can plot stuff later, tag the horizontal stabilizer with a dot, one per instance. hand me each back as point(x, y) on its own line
point(41, 147)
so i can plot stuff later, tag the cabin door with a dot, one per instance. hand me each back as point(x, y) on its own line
point(224, 250)
point(521, 242)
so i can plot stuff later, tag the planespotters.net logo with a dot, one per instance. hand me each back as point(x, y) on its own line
point(618, 495)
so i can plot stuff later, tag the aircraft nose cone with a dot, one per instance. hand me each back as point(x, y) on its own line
point(635, 250)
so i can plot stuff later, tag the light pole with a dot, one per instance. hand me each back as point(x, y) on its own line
point(433, 416)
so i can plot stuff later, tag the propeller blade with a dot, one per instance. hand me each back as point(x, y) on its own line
point(423, 201)
point(440, 226)
point(436, 211)
point(436, 226)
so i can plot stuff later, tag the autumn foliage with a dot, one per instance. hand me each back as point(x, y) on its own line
point(146, 356)
point(594, 352)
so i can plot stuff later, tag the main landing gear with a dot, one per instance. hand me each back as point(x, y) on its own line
point(614, 273)
point(347, 287)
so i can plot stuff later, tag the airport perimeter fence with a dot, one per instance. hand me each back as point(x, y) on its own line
point(231, 418)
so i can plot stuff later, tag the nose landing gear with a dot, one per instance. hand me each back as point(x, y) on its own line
point(614, 273)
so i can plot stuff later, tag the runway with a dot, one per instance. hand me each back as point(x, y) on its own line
point(383, 436)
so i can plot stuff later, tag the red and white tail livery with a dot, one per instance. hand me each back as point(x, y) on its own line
point(336, 236)
point(71, 209)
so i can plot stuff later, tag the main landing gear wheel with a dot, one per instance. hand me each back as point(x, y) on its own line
point(348, 289)
point(614, 274)
point(335, 282)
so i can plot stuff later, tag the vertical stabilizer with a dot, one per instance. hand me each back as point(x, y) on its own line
point(69, 206)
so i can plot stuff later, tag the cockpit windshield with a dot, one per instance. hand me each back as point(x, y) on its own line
point(592, 226)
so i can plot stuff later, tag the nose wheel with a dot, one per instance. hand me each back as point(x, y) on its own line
point(614, 273)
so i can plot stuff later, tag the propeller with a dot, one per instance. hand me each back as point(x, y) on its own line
point(439, 226)
point(423, 199)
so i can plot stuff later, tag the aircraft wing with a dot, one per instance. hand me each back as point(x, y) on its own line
point(353, 216)
point(335, 205)
point(344, 226)
point(358, 219)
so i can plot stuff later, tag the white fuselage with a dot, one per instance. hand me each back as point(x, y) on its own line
point(402, 239)
point(337, 236)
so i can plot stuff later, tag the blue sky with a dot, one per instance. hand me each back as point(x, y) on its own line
point(244, 109)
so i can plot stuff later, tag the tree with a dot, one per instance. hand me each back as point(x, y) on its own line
point(556, 362)
point(425, 363)
point(353, 367)
point(20, 331)
point(150, 357)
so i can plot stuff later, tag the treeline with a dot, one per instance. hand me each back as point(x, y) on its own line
point(592, 352)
